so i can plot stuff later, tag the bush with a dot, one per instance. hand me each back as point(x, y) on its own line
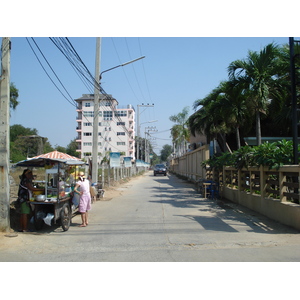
point(272, 155)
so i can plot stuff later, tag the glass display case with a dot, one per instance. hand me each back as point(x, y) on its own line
point(60, 181)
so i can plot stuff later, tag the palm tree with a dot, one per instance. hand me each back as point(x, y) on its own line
point(224, 110)
point(208, 118)
point(234, 107)
point(280, 107)
point(180, 132)
point(258, 73)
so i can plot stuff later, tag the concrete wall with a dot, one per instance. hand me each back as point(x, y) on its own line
point(281, 210)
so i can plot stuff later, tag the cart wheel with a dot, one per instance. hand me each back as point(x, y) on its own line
point(65, 217)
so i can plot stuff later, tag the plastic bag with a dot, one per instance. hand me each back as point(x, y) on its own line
point(48, 219)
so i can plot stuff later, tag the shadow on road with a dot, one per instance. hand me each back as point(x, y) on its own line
point(182, 195)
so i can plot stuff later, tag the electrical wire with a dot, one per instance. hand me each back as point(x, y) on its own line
point(136, 78)
point(49, 75)
point(67, 49)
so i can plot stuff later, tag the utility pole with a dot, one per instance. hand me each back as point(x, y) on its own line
point(4, 134)
point(147, 143)
point(138, 126)
point(96, 113)
point(294, 100)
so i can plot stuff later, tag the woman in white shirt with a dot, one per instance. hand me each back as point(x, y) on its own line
point(85, 198)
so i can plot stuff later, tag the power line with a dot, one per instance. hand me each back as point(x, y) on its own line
point(48, 73)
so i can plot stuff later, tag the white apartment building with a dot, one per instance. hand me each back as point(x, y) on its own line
point(115, 128)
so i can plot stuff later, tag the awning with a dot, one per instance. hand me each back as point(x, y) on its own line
point(50, 159)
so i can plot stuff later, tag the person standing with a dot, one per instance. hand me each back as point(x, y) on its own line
point(24, 194)
point(85, 198)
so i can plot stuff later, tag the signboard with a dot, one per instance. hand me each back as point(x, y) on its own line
point(114, 161)
point(139, 163)
point(127, 162)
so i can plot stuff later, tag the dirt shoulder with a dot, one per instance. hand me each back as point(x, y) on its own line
point(110, 192)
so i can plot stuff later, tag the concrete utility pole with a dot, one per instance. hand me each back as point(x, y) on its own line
point(147, 142)
point(294, 100)
point(96, 113)
point(138, 127)
point(4, 134)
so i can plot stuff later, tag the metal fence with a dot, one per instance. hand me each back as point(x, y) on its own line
point(110, 176)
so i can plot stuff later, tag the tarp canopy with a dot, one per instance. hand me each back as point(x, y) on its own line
point(49, 159)
point(57, 155)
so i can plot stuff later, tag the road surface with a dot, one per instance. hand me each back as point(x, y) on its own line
point(159, 219)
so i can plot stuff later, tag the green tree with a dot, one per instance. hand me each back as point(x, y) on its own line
point(210, 119)
point(234, 109)
point(14, 94)
point(60, 149)
point(180, 132)
point(18, 130)
point(258, 73)
point(72, 147)
point(25, 142)
point(165, 152)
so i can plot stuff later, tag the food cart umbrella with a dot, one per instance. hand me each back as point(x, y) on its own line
point(57, 155)
point(48, 158)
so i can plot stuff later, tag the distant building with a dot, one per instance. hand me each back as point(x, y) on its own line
point(115, 129)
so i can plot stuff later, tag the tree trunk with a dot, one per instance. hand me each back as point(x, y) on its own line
point(238, 139)
point(258, 129)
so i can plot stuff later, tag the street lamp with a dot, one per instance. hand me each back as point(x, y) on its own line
point(122, 65)
point(96, 110)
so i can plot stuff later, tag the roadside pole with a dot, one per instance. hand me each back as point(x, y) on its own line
point(4, 135)
point(96, 113)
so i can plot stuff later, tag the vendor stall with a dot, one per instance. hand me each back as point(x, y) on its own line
point(54, 199)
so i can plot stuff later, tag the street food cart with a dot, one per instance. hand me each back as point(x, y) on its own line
point(54, 199)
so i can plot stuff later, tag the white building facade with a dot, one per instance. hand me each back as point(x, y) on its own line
point(115, 128)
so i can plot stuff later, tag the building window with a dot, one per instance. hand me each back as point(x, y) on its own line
point(121, 143)
point(87, 134)
point(107, 115)
point(87, 124)
point(87, 154)
point(121, 123)
point(121, 113)
point(88, 114)
point(88, 104)
point(87, 144)
point(120, 133)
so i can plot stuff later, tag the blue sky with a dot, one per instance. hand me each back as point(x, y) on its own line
point(175, 72)
point(188, 47)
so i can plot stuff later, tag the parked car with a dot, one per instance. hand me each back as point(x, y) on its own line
point(160, 169)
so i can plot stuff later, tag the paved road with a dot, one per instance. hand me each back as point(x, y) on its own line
point(159, 219)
